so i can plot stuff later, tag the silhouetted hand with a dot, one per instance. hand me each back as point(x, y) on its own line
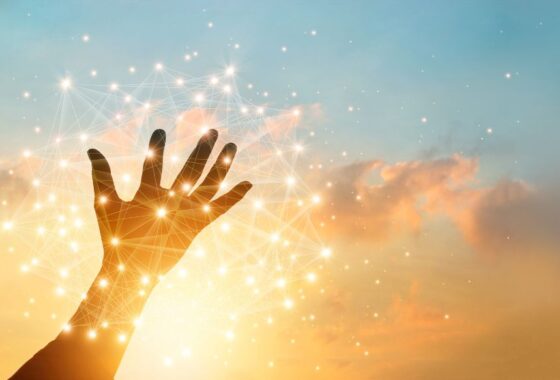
point(142, 238)
point(151, 232)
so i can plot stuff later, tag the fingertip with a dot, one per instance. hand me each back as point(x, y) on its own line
point(94, 154)
point(246, 185)
point(230, 148)
point(158, 137)
point(213, 133)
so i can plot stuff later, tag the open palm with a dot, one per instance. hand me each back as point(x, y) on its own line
point(152, 231)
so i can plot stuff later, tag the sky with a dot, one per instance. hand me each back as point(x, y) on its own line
point(420, 139)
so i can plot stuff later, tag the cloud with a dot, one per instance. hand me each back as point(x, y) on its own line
point(16, 180)
point(406, 195)
point(396, 204)
point(511, 215)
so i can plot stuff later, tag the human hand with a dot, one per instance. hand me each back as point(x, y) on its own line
point(150, 233)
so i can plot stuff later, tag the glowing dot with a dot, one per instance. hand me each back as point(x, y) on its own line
point(227, 160)
point(103, 199)
point(158, 66)
point(161, 212)
point(206, 208)
point(507, 75)
point(93, 73)
point(186, 187)
point(250, 280)
point(311, 277)
point(284, 49)
point(423, 119)
point(85, 38)
point(230, 70)
point(66, 84)
point(288, 303)
point(113, 87)
point(214, 80)
point(326, 252)
point(122, 338)
point(258, 204)
point(446, 316)
point(316, 199)
point(66, 327)
point(145, 280)
point(290, 181)
point(103, 283)
point(63, 272)
point(115, 241)
point(121, 267)
point(281, 283)
point(132, 69)
point(227, 89)
point(210, 24)
point(204, 129)
point(92, 334)
point(7, 225)
point(230, 335)
point(199, 98)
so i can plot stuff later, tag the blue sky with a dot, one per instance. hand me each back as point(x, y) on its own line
point(394, 62)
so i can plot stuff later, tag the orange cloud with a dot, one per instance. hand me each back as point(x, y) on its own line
point(396, 204)
point(408, 193)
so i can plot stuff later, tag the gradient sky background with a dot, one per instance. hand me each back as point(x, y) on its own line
point(441, 116)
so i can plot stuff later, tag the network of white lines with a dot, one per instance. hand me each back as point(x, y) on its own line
point(257, 260)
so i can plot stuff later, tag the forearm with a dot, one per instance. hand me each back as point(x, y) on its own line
point(93, 342)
